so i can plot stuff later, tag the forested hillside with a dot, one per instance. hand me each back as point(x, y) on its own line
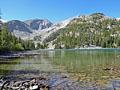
point(9, 42)
point(86, 31)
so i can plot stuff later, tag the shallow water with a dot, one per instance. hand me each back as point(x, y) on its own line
point(89, 65)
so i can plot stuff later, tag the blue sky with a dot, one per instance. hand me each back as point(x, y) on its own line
point(56, 10)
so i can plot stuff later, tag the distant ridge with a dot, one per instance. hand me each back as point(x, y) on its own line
point(44, 31)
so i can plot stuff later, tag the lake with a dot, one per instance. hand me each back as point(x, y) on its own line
point(87, 65)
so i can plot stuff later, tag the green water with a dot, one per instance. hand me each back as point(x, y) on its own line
point(92, 64)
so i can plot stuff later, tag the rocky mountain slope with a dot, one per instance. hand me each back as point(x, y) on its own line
point(25, 29)
point(18, 25)
point(38, 24)
point(49, 34)
point(95, 30)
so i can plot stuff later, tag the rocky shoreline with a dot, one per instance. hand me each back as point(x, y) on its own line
point(20, 54)
point(22, 80)
point(52, 82)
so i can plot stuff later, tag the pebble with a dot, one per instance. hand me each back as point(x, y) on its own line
point(34, 87)
point(51, 82)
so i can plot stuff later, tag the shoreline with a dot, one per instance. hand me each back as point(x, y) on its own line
point(80, 49)
point(16, 54)
point(20, 54)
point(51, 81)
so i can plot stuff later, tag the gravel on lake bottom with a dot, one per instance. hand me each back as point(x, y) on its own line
point(51, 82)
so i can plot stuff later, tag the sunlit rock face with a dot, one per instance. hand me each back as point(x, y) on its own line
point(18, 25)
point(38, 24)
point(25, 29)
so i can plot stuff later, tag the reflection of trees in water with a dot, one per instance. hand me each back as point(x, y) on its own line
point(91, 62)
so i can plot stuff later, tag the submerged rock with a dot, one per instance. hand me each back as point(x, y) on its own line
point(52, 82)
point(35, 87)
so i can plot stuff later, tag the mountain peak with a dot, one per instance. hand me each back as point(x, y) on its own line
point(98, 14)
point(38, 24)
point(18, 25)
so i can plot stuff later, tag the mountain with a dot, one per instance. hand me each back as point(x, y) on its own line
point(25, 29)
point(38, 24)
point(50, 33)
point(95, 30)
point(18, 25)
point(19, 29)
